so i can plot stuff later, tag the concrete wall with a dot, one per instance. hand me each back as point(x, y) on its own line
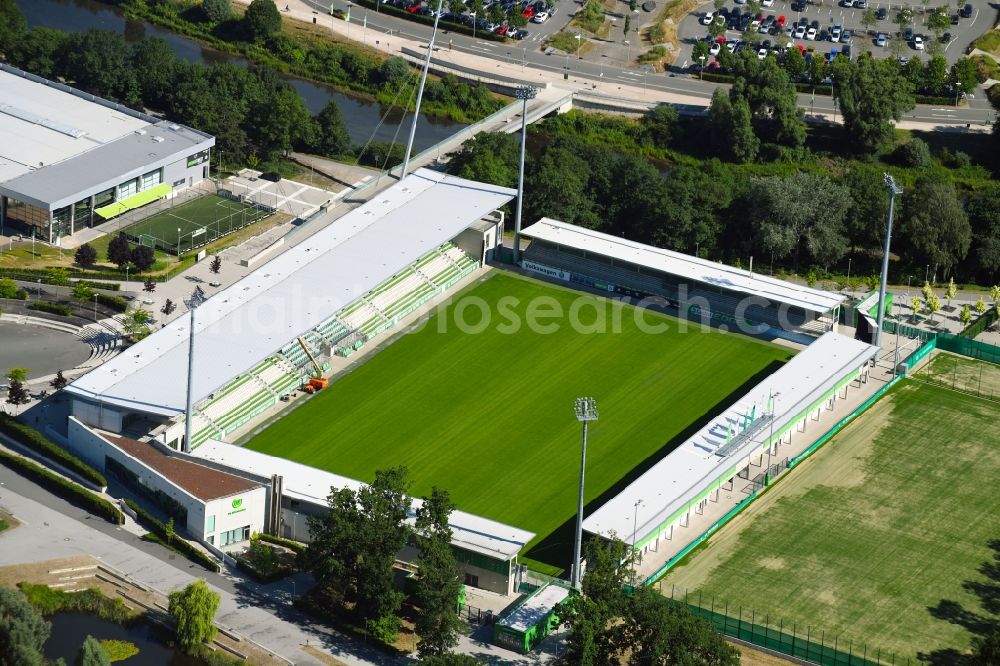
point(98, 415)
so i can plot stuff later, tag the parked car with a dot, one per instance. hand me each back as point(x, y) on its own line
point(954, 19)
point(715, 49)
point(881, 13)
point(861, 4)
point(845, 37)
point(540, 17)
point(780, 21)
point(846, 3)
point(798, 6)
point(835, 32)
point(966, 11)
point(918, 42)
point(881, 39)
point(766, 3)
point(800, 32)
point(707, 18)
point(908, 34)
point(811, 33)
point(945, 38)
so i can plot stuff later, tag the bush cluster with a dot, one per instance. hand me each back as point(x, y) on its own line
point(183, 546)
point(60, 309)
point(114, 302)
point(38, 443)
point(69, 491)
point(294, 546)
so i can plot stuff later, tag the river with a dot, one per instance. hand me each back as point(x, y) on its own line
point(360, 116)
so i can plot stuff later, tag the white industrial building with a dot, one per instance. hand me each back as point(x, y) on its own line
point(69, 160)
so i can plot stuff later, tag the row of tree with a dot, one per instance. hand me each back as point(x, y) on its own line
point(814, 217)
point(353, 549)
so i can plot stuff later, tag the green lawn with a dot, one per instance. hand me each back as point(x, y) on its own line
point(489, 416)
point(964, 374)
point(217, 215)
point(871, 540)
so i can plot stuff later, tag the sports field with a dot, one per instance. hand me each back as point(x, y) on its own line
point(489, 415)
point(871, 540)
point(194, 223)
point(964, 374)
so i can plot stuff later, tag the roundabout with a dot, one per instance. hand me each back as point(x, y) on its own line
point(42, 350)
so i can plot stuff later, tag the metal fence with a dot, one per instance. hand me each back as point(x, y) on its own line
point(791, 638)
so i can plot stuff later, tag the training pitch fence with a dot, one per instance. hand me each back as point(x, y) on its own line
point(182, 228)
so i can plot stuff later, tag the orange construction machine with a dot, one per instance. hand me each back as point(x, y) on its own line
point(317, 381)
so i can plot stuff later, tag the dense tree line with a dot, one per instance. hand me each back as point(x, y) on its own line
point(647, 181)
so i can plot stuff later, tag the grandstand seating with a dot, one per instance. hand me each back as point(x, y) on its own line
point(277, 375)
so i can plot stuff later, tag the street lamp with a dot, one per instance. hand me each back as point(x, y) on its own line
point(178, 241)
point(628, 52)
point(770, 439)
point(95, 306)
point(893, 191)
point(523, 93)
point(586, 411)
point(701, 71)
point(579, 40)
point(38, 291)
point(635, 520)
point(473, 14)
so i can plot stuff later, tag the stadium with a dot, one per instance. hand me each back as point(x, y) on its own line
point(425, 349)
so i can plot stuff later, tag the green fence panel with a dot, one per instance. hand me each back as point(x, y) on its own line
point(982, 351)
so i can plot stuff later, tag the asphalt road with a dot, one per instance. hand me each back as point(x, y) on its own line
point(603, 73)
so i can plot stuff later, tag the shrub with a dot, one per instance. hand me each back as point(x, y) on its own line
point(49, 602)
point(216, 11)
point(38, 443)
point(654, 54)
point(69, 491)
point(656, 34)
point(182, 546)
point(914, 153)
point(8, 288)
point(60, 309)
point(114, 302)
point(287, 543)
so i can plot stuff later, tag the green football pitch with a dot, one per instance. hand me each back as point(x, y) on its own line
point(878, 539)
point(194, 222)
point(488, 415)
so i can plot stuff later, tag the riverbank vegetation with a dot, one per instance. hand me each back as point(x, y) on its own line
point(262, 35)
point(808, 208)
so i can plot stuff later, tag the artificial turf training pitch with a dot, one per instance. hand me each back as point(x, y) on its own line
point(217, 215)
point(489, 417)
point(871, 540)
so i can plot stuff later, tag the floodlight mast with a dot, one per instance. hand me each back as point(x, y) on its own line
point(893, 191)
point(586, 411)
point(420, 92)
point(523, 93)
point(196, 299)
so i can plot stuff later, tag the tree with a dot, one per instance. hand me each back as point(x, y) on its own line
point(57, 275)
point(871, 94)
point(450, 659)
point(149, 285)
point(82, 292)
point(439, 585)
point(98, 61)
point(119, 250)
point(193, 610)
point(936, 75)
point(489, 157)
point(216, 11)
point(16, 393)
point(914, 153)
point(8, 288)
point(12, 22)
point(456, 7)
point(261, 20)
point(17, 374)
point(628, 24)
point(800, 215)
point(917, 305)
point(495, 13)
point(332, 137)
point(772, 99)
point(939, 20)
point(927, 290)
point(935, 226)
point(964, 73)
point(516, 19)
point(795, 64)
point(168, 308)
point(23, 631)
point(903, 17)
point(983, 209)
point(966, 315)
point(59, 382)
point(980, 305)
point(950, 290)
point(354, 546)
point(155, 59)
point(732, 132)
point(869, 18)
point(216, 264)
point(85, 256)
point(136, 323)
point(933, 305)
point(168, 530)
point(995, 295)
point(143, 257)
point(865, 219)
point(92, 654)
point(700, 52)
point(660, 123)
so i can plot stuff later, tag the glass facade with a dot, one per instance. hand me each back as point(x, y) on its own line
point(82, 214)
point(28, 217)
point(234, 536)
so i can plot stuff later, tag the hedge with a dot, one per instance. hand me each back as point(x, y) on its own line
point(69, 491)
point(981, 324)
point(38, 443)
point(294, 546)
point(181, 545)
point(243, 564)
point(114, 302)
point(109, 286)
point(60, 309)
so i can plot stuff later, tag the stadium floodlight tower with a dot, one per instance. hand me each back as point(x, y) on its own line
point(197, 298)
point(893, 191)
point(586, 411)
point(523, 93)
point(420, 91)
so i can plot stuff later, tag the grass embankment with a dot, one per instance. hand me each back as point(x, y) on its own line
point(568, 43)
point(664, 32)
point(487, 415)
point(881, 538)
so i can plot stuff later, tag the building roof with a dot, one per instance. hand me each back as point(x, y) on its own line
point(294, 292)
point(534, 609)
point(697, 463)
point(690, 268)
point(309, 484)
point(56, 141)
point(200, 482)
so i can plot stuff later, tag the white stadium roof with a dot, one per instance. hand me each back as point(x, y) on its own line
point(296, 291)
point(696, 464)
point(470, 532)
point(684, 266)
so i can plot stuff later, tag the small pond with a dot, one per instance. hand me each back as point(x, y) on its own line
point(70, 629)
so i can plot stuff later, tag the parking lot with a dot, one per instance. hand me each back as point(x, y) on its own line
point(824, 19)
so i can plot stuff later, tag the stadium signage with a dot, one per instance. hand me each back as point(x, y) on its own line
point(237, 507)
point(197, 159)
point(545, 270)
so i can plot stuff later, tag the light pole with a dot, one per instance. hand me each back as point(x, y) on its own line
point(645, 71)
point(420, 92)
point(579, 40)
point(958, 87)
point(628, 52)
point(95, 306)
point(178, 241)
point(473, 14)
point(635, 520)
point(586, 411)
point(893, 191)
point(770, 439)
point(524, 94)
point(197, 298)
point(701, 71)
